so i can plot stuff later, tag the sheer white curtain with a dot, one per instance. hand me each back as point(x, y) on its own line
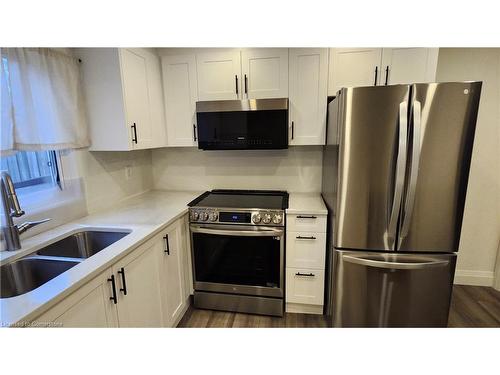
point(42, 101)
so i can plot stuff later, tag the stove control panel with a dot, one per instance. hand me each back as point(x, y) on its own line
point(250, 217)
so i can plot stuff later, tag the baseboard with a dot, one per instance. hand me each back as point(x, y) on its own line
point(479, 278)
point(300, 308)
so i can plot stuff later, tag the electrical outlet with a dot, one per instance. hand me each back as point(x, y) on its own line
point(128, 172)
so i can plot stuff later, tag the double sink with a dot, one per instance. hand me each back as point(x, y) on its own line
point(34, 270)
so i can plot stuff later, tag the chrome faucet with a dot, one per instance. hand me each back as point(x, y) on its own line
point(11, 209)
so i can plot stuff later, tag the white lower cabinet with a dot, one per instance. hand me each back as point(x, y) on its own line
point(138, 287)
point(89, 306)
point(305, 286)
point(305, 263)
point(146, 288)
point(174, 298)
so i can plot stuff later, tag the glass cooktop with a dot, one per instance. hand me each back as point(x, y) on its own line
point(265, 199)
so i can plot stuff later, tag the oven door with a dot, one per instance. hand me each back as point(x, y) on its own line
point(238, 259)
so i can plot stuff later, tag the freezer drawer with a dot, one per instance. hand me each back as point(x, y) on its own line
point(373, 289)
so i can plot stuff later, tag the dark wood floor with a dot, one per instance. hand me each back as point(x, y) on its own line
point(471, 306)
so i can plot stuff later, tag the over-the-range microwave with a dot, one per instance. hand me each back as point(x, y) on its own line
point(242, 124)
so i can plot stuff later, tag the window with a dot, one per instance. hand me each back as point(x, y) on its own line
point(32, 170)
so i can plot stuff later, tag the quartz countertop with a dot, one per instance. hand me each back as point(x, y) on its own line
point(144, 216)
point(306, 203)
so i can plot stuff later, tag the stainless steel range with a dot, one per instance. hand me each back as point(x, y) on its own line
point(237, 244)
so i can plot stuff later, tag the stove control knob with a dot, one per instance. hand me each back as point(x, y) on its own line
point(195, 216)
point(267, 218)
point(256, 219)
point(203, 216)
point(213, 216)
point(277, 219)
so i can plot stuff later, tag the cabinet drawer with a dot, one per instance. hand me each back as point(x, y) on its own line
point(305, 285)
point(306, 223)
point(305, 249)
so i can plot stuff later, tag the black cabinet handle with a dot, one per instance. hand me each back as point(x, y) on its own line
point(376, 75)
point(306, 237)
point(113, 286)
point(246, 84)
point(124, 289)
point(386, 75)
point(194, 132)
point(134, 137)
point(292, 128)
point(236, 80)
point(167, 246)
point(306, 217)
point(304, 274)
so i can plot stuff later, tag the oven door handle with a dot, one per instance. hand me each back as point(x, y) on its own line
point(268, 232)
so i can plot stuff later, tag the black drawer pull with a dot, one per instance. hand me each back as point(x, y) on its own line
point(134, 138)
point(194, 132)
point(387, 75)
point(376, 76)
point(304, 274)
point(306, 217)
point(236, 80)
point(113, 286)
point(306, 237)
point(124, 289)
point(167, 246)
point(246, 84)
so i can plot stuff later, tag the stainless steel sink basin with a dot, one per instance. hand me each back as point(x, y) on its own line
point(26, 274)
point(82, 244)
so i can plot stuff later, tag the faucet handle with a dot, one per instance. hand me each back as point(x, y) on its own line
point(30, 224)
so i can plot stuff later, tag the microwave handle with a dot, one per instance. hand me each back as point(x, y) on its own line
point(269, 232)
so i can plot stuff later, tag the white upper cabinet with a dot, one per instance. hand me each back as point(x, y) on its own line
point(180, 93)
point(136, 96)
point(265, 73)
point(408, 65)
point(219, 75)
point(308, 95)
point(124, 98)
point(353, 67)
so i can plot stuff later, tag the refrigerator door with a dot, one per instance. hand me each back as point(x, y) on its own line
point(392, 289)
point(372, 159)
point(441, 136)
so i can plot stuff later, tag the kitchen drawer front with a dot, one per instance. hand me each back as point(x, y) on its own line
point(306, 223)
point(305, 289)
point(305, 249)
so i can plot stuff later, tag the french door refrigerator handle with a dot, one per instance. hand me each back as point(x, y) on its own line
point(394, 265)
point(415, 160)
point(400, 173)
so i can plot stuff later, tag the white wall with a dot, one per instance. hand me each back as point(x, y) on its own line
point(297, 169)
point(481, 224)
point(105, 178)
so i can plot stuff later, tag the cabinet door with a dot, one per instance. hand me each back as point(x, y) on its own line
point(138, 275)
point(264, 73)
point(180, 92)
point(89, 306)
point(308, 96)
point(409, 65)
point(157, 107)
point(352, 67)
point(173, 274)
point(136, 97)
point(219, 75)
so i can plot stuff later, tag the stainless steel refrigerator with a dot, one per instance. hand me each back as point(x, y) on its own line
point(395, 172)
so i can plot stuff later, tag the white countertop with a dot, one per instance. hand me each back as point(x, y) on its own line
point(306, 203)
point(144, 215)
